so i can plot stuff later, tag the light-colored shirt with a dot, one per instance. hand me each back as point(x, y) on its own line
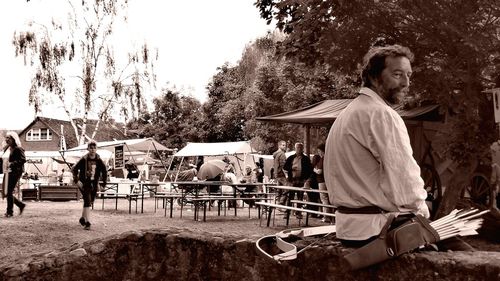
point(297, 167)
point(279, 162)
point(369, 162)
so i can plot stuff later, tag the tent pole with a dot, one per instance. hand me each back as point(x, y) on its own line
point(307, 139)
point(161, 160)
point(64, 159)
point(179, 169)
point(169, 166)
point(238, 161)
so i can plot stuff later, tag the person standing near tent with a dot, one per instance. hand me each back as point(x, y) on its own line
point(13, 166)
point(299, 170)
point(279, 174)
point(86, 174)
point(320, 179)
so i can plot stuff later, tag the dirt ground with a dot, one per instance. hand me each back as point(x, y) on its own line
point(47, 226)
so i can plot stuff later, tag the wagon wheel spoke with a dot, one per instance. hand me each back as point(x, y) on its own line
point(480, 190)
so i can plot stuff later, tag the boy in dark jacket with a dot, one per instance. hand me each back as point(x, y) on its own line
point(86, 174)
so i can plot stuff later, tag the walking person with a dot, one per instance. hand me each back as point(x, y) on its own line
point(13, 166)
point(320, 178)
point(86, 174)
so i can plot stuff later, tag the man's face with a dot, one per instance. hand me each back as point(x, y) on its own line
point(92, 151)
point(394, 81)
point(299, 149)
point(282, 146)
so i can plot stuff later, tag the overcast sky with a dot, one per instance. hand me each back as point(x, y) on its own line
point(194, 37)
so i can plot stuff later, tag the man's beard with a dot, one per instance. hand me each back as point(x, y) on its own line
point(395, 95)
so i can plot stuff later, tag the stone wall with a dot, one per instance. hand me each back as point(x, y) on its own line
point(184, 255)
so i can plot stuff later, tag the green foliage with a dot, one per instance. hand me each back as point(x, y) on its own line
point(264, 83)
point(175, 120)
point(76, 63)
point(456, 44)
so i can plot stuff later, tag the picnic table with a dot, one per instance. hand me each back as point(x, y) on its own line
point(111, 190)
point(190, 193)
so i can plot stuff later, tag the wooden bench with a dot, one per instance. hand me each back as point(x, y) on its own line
point(302, 202)
point(59, 193)
point(207, 199)
point(168, 198)
point(203, 200)
point(29, 194)
point(270, 207)
point(114, 195)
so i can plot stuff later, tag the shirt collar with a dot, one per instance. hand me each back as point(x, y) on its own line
point(369, 92)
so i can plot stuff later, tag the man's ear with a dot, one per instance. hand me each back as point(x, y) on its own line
point(374, 81)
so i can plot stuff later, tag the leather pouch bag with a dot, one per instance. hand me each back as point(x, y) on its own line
point(405, 238)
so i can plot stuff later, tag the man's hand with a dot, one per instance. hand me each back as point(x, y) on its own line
point(79, 184)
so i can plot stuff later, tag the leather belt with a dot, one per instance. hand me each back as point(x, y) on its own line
point(361, 210)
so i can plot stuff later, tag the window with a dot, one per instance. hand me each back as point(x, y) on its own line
point(39, 134)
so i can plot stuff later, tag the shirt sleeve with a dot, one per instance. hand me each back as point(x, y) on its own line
point(400, 179)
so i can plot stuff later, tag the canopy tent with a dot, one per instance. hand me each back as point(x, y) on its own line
point(239, 149)
point(47, 165)
point(131, 146)
point(145, 144)
point(269, 161)
point(325, 112)
point(214, 148)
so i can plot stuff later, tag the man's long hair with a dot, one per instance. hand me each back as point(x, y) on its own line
point(374, 61)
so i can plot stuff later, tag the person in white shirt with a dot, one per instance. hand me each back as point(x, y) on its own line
point(370, 172)
point(369, 168)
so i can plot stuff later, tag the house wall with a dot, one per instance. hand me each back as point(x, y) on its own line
point(40, 145)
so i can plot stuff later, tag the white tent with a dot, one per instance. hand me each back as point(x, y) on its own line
point(133, 144)
point(241, 150)
point(269, 161)
point(215, 148)
point(130, 146)
point(47, 165)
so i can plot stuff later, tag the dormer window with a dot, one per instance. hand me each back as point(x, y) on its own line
point(39, 134)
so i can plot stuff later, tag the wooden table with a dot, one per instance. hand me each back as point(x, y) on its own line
point(149, 186)
point(193, 187)
point(110, 190)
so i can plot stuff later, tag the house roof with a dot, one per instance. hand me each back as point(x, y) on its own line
point(328, 110)
point(107, 130)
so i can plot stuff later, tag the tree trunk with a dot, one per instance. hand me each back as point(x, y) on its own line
point(453, 192)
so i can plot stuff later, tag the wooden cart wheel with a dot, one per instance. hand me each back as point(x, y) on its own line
point(479, 190)
point(432, 184)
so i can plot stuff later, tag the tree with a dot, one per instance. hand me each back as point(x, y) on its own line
point(75, 62)
point(456, 44)
point(263, 83)
point(175, 119)
point(224, 110)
